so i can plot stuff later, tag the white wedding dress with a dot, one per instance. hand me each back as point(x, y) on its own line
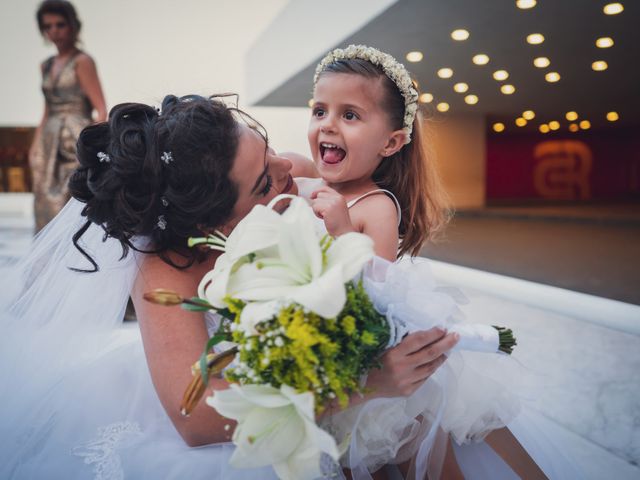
point(77, 397)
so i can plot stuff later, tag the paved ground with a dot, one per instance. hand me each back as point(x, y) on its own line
point(594, 250)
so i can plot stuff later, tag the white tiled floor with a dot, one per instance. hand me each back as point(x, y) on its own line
point(586, 378)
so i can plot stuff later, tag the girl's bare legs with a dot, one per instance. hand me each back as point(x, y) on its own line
point(450, 468)
point(513, 453)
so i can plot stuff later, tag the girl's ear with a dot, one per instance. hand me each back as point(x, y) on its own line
point(394, 143)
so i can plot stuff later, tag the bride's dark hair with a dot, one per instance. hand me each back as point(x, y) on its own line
point(162, 176)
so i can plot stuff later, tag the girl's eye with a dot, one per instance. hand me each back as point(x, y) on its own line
point(267, 186)
point(350, 115)
point(318, 112)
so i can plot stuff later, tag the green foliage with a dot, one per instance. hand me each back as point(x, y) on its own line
point(311, 353)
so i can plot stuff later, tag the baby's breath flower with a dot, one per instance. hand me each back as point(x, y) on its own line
point(392, 69)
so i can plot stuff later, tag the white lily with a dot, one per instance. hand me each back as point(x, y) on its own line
point(288, 267)
point(275, 427)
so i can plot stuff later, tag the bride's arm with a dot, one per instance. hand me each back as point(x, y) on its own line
point(173, 340)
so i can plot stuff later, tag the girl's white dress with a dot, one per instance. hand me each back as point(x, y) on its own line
point(472, 394)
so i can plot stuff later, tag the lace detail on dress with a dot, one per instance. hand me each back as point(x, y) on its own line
point(103, 450)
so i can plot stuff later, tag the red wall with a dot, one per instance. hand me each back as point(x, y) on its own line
point(598, 165)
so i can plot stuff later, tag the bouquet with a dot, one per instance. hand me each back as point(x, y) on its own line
point(305, 332)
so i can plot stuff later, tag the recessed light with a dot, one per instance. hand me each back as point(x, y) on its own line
point(599, 65)
point(460, 34)
point(471, 99)
point(507, 89)
point(613, 8)
point(426, 98)
point(554, 125)
point(525, 4)
point(573, 127)
point(498, 127)
point(613, 116)
point(461, 87)
point(528, 115)
point(443, 107)
point(445, 73)
point(535, 38)
point(414, 57)
point(500, 75)
point(552, 77)
point(541, 62)
point(521, 122)
point(571, 116)
point(604, 42)
point(544, 128)
point(480, 59)
point(585, 124)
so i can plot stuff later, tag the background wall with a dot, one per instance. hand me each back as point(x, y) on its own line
point(145, 49)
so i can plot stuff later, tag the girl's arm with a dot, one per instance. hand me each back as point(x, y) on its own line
point(375, 216)
point(301, 165)
point(90, 84)
point(173, 340)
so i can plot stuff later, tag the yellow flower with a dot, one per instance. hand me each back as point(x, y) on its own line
point(349, 324)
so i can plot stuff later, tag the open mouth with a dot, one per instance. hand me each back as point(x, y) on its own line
point(331, 153)
point(288, 185)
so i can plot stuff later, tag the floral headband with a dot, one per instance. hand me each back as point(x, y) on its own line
point(392, 69)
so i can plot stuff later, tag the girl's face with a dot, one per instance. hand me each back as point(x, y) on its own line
point(57, 30)
point(259, 173)
point(349, 132)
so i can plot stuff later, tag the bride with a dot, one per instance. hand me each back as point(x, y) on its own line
point(79, 399)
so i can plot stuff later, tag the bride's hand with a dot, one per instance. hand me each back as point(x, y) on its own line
point(407, 365)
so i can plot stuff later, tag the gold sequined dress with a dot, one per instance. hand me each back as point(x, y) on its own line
point(53, 157)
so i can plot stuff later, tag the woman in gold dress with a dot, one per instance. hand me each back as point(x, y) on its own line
point(72, 91)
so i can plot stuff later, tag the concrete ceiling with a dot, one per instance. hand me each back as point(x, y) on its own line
point(498, 29)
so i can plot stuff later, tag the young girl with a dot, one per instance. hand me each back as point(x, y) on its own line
point(366, 139)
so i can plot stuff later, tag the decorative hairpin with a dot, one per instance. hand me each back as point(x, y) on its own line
point(166, 157)
point(164, 201)
point(162, 222)
point(103, 157)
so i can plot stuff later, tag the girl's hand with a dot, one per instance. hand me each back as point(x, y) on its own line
point(330, 206)
point(407, 365)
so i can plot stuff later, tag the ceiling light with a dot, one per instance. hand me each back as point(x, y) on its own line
point(541, 62)
point(521, 122)
point(480, 59)
point(544, 128)
point(426, 98)
point(571, 116)
point(443, 107)
point(445, 73)
point(414, 56)
point(500, 75)
point(552, 77)
point(599, 65)
point(460, 34)
point(604, 42)
point(535, 38)
point(585, 124)
point(525, 4)
point(461, 87)
point(613, 8)
point(573, 127)
point(554, 125)
point(471, 99)
point(613, 116)
point(498, 127)
point(528, 115)
point(507, 89)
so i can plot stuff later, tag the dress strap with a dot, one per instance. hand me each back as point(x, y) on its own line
point(351, 203)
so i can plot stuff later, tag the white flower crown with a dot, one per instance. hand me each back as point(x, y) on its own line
point(392, 69)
